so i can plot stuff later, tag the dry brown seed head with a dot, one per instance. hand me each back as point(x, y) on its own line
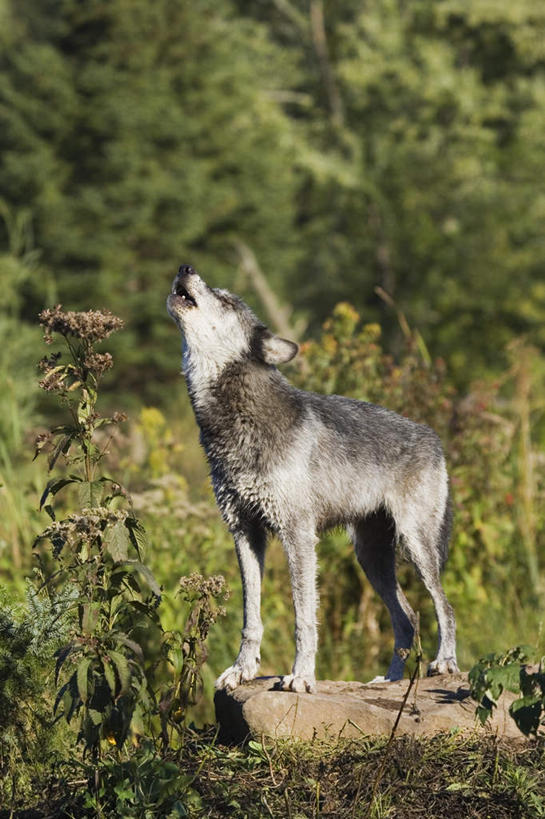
point(91, 325)
point(98, 363)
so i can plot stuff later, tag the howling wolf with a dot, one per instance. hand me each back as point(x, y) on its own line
point(296, 463)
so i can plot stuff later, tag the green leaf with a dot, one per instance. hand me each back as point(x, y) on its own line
point(64, 428)
point(88, 616)
point(253, 745)
point(116, 540)
point(70, 698)
point(150, 579)
point(62, 446)
point(87, 404)
point(54, 485)
point(109, 675)
point(123, 671)
point(90, 494)
point(124, 792)
point(483, 713)
point(143, 608)
point(60, 694)
point(82, 678)
point(503, 677)
point(454, 787)
point(61, 654)
point(532, 682)
point(137, 534)
point(94, 716)
point(133, 645)
point(146, 573)
point(50, 511)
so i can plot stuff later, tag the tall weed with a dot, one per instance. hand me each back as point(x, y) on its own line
point(120, 677)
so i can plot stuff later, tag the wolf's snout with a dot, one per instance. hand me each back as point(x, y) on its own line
point(181, 292)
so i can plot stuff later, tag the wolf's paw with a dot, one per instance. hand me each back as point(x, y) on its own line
point(446, 666)
point(233, 676)
point(301, 685)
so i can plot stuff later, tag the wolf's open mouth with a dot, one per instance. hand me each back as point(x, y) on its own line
point(181, 291)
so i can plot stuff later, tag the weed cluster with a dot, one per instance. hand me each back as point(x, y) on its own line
point(511, 671)
point(115, 672)
point(446, 775)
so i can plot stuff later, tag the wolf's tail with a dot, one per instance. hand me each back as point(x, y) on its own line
point(445, 532)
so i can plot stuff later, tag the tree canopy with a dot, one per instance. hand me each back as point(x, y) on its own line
point(346, 145)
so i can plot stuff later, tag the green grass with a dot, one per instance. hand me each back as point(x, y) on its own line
point(443, 776)
point(446, 776)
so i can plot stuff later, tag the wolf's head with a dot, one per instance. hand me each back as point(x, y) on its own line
point(219, 329)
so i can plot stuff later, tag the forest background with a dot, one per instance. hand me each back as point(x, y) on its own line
point(302, 154)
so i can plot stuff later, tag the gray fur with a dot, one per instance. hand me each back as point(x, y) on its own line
point(296, 463)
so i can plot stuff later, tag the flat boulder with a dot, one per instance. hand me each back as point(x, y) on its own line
point(353, 709)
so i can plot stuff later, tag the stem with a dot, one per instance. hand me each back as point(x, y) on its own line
point(84, 435)
point(88, 466)
point(380, 773)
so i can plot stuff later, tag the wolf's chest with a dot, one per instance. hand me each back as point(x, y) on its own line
point(247, 493)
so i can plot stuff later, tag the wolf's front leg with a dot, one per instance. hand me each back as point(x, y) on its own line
point(250, 544)
point(301, 553)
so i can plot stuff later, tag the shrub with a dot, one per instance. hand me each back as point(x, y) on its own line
point(30, 634)
point(510, 671)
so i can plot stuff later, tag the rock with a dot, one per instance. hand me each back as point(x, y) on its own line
point(353, 709)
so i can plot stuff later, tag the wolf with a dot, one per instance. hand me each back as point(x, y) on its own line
point(293, 463)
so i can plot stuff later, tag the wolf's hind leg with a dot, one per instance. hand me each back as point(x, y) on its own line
point(374, 540)
point(250, 544)
point(426, 556)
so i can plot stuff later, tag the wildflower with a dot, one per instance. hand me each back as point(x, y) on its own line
point(53, 381)
point(98, 363)
point(204, 587)
point(48, 363)
point(91, 325)
point(85, 526)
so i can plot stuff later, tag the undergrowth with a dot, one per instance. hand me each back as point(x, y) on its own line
point(437, 777)
point(443, 776)
point(89, 651)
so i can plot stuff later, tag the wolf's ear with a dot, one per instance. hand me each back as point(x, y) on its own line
point(276, 350)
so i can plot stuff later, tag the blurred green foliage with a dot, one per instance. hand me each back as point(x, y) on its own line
point(347, 146)
point(18, 392)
